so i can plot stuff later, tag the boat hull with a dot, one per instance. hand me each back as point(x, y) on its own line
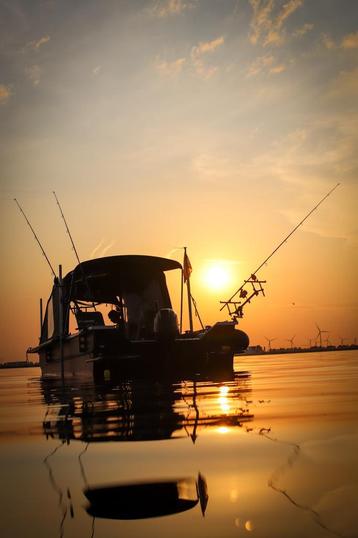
point(104, 355)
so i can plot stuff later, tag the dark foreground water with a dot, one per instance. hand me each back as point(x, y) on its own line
point(271, 452)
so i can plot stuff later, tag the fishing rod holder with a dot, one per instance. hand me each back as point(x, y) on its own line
point(235, 308)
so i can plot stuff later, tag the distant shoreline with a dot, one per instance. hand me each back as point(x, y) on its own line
point(284, 351)
point(254, 350)
point(19, 364)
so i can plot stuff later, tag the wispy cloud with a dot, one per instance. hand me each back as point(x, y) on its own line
point(96, 70)
point(307, 27)
point(198, 51)
point(5, 94)
point(195, 61)
point(350, 41)
point(108, 247)
point(166, 8)
point(265, 64)
point(169, 68)
point(267, 28)
point(96, 248)
point(101, 248)
point(34, 73)
point(327, 41)
point(38, 43)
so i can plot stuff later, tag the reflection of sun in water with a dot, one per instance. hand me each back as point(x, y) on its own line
point(217, 276)
point(223, 399)
point(222, 430)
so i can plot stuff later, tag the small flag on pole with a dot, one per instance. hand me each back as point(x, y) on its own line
point(187, 270)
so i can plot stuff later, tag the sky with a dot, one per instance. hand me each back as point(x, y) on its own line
point(211, 124)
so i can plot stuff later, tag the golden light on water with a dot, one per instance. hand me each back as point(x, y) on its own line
point(223, 399)
point(223, 430)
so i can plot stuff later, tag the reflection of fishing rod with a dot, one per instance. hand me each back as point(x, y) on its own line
point(235, 308)
point(37, 239)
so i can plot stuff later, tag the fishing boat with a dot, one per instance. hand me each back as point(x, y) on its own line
point(113, 315)
point(124, 321)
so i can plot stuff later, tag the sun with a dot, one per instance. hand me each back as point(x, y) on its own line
point(216, 276)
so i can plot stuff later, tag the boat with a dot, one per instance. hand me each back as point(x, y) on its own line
point(124, 321)
point(113, 316)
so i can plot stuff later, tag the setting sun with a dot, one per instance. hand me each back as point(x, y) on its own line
point(217, 276)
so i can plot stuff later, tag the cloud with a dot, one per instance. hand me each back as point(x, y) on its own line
point(303, 30)
point(37, 44)
point(108, 247)
point(350, 41)
point(96, 248)
point(267, 28)
point(96, 70)
point(5, 94)
point(328, 41)
point(265, 64)
point(197, 53)
point(277, 69)
point(100, 249)
point(33, 73)
point(169, 68)
point(171, 7)
point(196, 60)
point(260, 64)
point(208, 46)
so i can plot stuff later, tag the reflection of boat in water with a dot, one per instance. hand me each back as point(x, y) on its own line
point(147, 499)
point(142, 411)
point(122, 319)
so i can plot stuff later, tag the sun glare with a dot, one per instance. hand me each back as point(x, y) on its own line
point(217, 276)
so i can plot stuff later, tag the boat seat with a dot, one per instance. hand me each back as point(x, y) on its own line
point(89, 319)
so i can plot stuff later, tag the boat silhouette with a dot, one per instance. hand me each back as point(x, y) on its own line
point(113, 315)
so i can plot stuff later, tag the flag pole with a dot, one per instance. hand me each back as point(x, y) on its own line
point(181, 299)
point(186, 263)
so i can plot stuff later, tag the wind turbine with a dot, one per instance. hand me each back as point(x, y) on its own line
point(309, 342)
point(342, 340)
point(319, 334)
point(269, 341)
point(291, 340)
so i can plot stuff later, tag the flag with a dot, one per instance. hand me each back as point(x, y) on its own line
point(187, 268)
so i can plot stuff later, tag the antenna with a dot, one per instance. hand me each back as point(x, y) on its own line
point(235, 308)
point(67, 228)
point(37, 239)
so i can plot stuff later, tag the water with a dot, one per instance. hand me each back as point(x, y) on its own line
point(271, 452)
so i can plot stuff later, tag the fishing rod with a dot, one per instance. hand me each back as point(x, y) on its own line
point(67, 228)
point(37, 239)
point(84, 276)
point(235, 308)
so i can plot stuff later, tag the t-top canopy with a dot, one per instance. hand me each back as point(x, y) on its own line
point(104, 279)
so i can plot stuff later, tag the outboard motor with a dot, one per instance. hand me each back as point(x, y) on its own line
point(166, 325)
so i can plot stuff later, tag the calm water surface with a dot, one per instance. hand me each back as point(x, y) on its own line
point(269, 452)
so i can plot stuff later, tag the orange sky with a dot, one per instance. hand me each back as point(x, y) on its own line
point(215, 125)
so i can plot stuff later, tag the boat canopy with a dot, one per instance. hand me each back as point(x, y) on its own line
point(104, 279)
